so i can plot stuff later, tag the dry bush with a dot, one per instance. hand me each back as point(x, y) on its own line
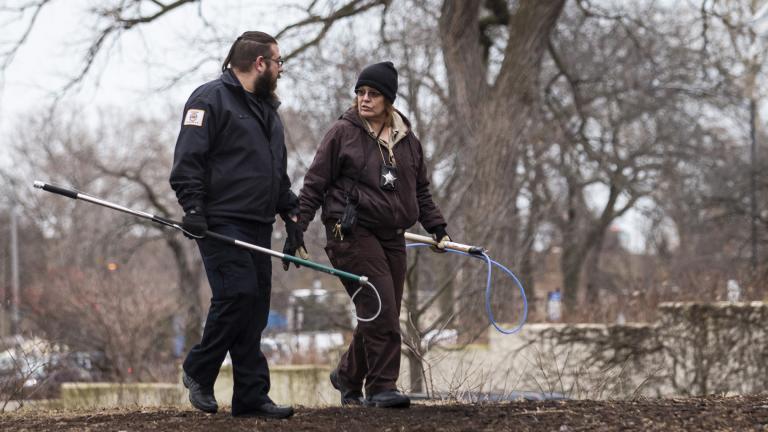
point(124, 314)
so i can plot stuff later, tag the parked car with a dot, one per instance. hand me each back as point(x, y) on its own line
point(35, 368)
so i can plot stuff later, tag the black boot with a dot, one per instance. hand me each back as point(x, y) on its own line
point(388, 399)
point(348, 396)
point(269, 410)
point(200, 398)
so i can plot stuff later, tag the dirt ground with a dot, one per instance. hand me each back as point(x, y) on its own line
point(743, 413)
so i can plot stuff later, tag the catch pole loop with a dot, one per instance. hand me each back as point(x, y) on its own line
point(481, 254)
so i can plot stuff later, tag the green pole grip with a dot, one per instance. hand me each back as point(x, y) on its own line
point(324, 269)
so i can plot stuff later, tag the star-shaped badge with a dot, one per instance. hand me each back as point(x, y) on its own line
point(389, 178)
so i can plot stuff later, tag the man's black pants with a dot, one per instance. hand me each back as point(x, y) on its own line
point(240, 282)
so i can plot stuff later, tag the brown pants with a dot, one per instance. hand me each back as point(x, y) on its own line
point(373, 356)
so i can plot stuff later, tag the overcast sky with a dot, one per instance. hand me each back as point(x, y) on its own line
point(134, 68)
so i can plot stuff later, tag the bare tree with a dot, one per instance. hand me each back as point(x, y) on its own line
point(108, 163)
point(621, 94)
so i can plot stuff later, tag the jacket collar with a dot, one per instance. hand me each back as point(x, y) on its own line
point(401, 124)
point(228, 77)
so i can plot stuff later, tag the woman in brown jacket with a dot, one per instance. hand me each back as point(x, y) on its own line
point(370, 164)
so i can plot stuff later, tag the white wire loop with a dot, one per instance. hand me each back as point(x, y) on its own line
point(378, 298)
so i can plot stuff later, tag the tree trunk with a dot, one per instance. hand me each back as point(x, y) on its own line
point(527, 266)
point(491, 119)
point(412, 333)
point(577, 246)
point(415, 371)
point(593, 271)
point(571, 263)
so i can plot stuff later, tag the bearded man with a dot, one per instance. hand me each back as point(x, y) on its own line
point(229, 175)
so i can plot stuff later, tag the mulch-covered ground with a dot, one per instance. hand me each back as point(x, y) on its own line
point(743, 413)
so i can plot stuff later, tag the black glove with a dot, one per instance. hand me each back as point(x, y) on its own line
point(294, 242)
point(194, 224)
point(440, 236)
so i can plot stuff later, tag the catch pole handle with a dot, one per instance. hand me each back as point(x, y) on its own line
point(69, 193)
point(473, 250)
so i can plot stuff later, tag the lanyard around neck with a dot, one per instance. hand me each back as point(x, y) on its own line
point(389, 149)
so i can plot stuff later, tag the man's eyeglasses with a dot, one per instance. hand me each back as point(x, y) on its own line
point(280, 62)
point(373, 94)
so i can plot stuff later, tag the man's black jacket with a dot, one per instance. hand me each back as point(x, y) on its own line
point(230, 159)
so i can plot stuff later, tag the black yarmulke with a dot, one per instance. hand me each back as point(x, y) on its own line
point(382, 77)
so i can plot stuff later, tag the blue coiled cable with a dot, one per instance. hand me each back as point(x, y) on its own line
point(488, 287)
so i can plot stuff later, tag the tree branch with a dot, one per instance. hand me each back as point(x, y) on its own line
point(11, 53)
point(352, 8)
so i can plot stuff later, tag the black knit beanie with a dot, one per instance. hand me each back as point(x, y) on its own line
point(382, 77)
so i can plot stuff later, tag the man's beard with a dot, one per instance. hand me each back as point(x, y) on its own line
point(264, 85)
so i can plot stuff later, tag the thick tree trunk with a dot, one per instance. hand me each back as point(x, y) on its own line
point(491, 118)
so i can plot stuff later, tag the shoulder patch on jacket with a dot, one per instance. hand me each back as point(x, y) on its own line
point(194, 117)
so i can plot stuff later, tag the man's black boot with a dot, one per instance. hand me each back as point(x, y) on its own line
point(200, 399)
point(269, 410)
point(348, 397)
point(388, 399)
